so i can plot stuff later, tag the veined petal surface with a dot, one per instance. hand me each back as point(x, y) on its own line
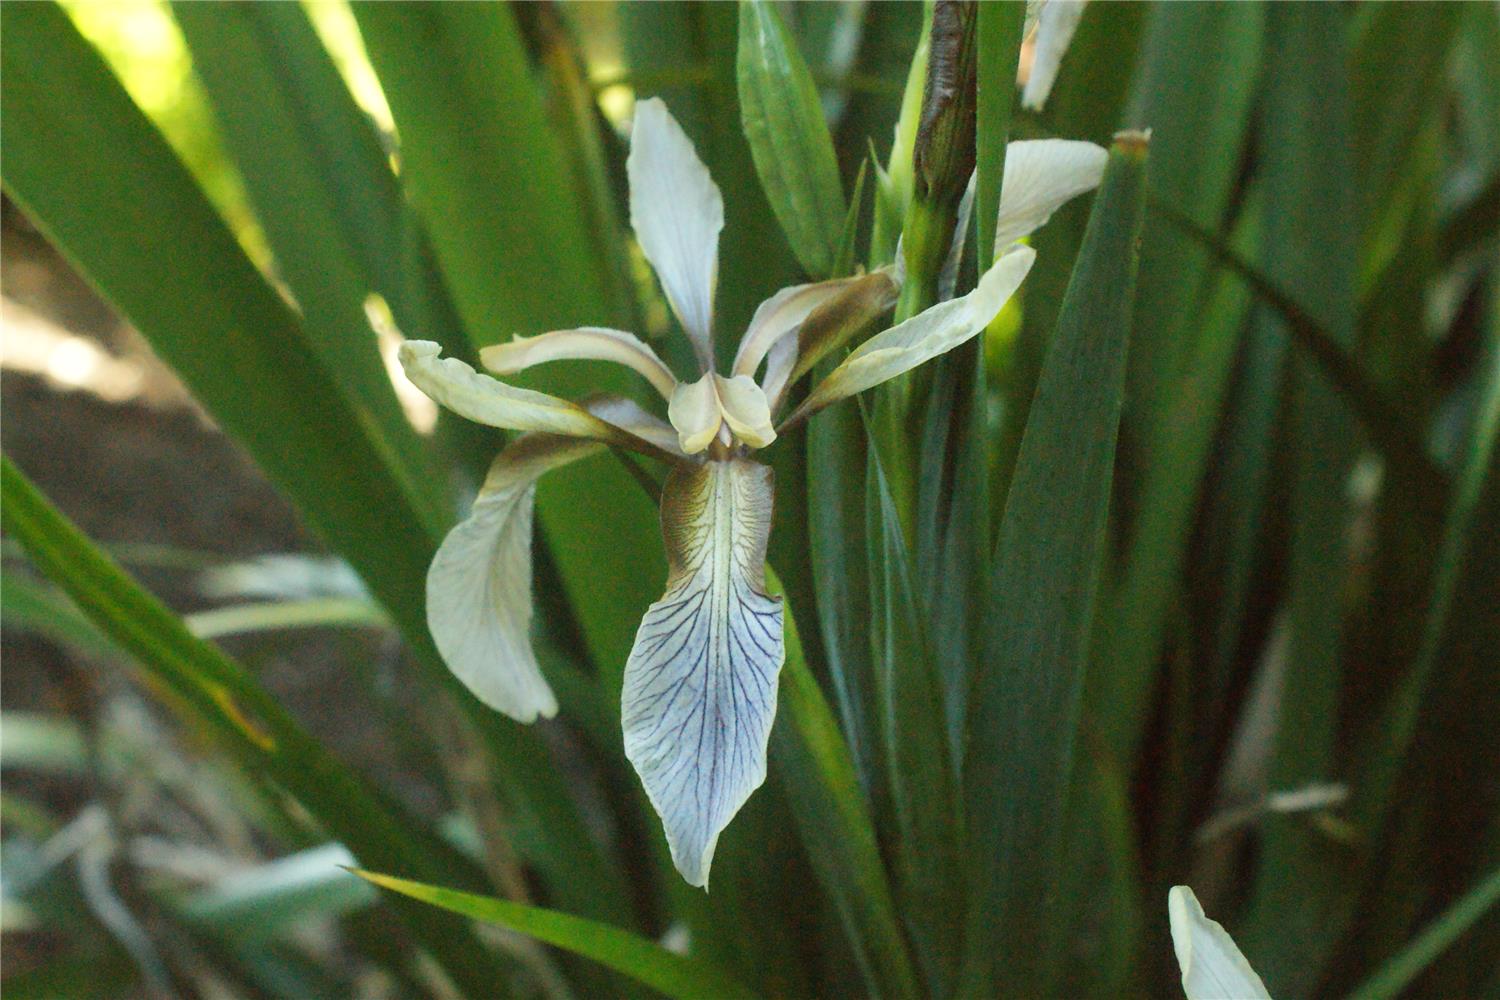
point(1213, 967)
point(677, 213)
point(589, 343)
point(701, 681)
point(452, 383)
point(930, 333)
point(1056, 22)
point(1041, 175)
point(479, 585)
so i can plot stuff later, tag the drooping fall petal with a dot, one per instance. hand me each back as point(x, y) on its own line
point(677, 213)
point(930, 333)
point(589, 343)
point(1213, 967)
point(1040, 176)
point(479, 585)
point(700, 684)
point(479, 600)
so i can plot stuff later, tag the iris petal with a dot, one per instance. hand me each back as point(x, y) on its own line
point(700, 684)
point(589, 343)
point(479, 585)
point(1040, 176)
point(1057, 20)
point(479, 605)
point(452, 383)
point(1213, 967)
point(677, 213)
point(921, 338)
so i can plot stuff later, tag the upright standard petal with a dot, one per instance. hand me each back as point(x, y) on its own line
point(1212, 966)
point(589, 343)
point(479, 585)
point(851, 306)
point(1040, 176)
point(484, 400)
point(921, 338)
point(779, 316)
point(700, 684)
point(1056, 22)
point(676, 211)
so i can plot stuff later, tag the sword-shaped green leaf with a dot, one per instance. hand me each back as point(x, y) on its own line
point(784, 124)
point(1026, 693)
point(673, 974)
point(246, 722)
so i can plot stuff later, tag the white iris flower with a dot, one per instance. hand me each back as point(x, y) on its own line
point(700, 684)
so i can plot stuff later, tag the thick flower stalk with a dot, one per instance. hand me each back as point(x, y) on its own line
point(701, 681)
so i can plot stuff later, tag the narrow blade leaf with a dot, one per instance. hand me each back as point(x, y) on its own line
point(1048, 556)
point(674, 975)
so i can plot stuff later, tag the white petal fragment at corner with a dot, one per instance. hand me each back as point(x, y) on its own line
point(926, 335)
point(453, 384)
point(1041, 175)
point(700, 684)
point(1057, 20)
point(677, 213)
point(1212, 966)
point(479, 584)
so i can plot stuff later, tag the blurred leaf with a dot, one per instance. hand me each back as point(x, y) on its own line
point(487, 175)
point(1129, 632)
point(268, 900)
point(999, 33)
point(1384, 418)
point(814, 763)
point(788, 136)
point(30, 605)
point(1400, 60)
point(325, 195)
point(1025, 699)
point(925, 805)
point(840, 561)
point(886, 46)
point(108, 192)
point(1392, 978)
point(674, 975)
point(247, 722)
point(38, 742)
point(1309, 203)
point(1390, 739)
point(237, 619)
point(1194, 86)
